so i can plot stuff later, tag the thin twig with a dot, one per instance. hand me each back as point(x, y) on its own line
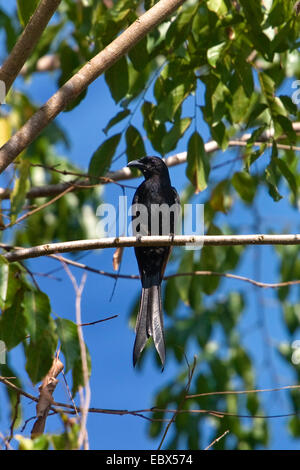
point(217, 440)
point(85, 400)
point(15, 417)
point(39, 208)
point(98, 321)
point(67, 408)
point(191, 371)
point(243, 392)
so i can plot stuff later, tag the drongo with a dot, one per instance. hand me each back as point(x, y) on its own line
point(155, 206)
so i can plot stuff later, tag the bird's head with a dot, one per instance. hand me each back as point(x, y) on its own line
point(150, 166)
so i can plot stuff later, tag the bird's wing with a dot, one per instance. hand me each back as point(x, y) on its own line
point(176, 195)
point(141, 226)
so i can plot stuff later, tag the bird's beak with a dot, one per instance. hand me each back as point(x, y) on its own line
point(136, 164)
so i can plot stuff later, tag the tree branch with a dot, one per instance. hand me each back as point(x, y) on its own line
point(67, 408)
point(45, 399)
point(47, 63)
point(84, 77)
point(237, 277)
point(84, 400)
point(27, 41)
point(178, 240)
point(126, 174)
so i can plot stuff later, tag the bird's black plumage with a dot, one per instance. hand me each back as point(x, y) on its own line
point(153, 193)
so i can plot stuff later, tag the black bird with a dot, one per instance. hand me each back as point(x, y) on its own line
point(154, 192)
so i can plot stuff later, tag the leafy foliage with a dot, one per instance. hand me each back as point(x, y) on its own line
point(216, 68)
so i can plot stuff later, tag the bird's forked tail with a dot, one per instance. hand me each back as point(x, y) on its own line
point(150, 323)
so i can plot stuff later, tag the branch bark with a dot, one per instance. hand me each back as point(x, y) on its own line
point(178, 240)
point(45, 400)
point(27, 41)
point(265, 285)
point(47, 63)
point(84, 77)
point(125, 173)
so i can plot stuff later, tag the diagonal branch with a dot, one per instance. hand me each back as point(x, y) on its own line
point(191, 371)
point(45, 399)
point(27, 41)
point(84, 77)
point(178, 240)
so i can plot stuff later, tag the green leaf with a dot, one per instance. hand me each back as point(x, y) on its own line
point(219, 133)
point(12, 395)
point(245, 74)
point(117, 79)
point(13, 322)
point(292, 316)
point(286, 128)
point(37, 312)
point(180, 29)
point(219, 200)
point(168, 107)
point(288, 175)
point(253, 11)
point(277, 14)
point(101, 158)
point(245, 185)
point(214, 53)
point(183, 282)
point(43, 338)
point(198, 168)
point(26, 9)
point(135, 147)
point(116, 119)
point(288, 104)
point(217, 6)
point(294, 426)
point(38, 443)
point(272, 181)
point(139, 55)
point(20, 189)
point(258, 109)
point(171, 139)
point(156, 130)
point(4, 276)
point(171, 297)
point(239, 106)
point(149, 4)
point(68, 336)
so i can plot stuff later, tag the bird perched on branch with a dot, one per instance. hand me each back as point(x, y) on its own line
point(156, 207)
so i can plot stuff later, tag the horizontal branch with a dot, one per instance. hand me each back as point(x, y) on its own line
point(67, 408)
point(178, 240)
point(265, 285)
point(125, 173)
point(84, 77)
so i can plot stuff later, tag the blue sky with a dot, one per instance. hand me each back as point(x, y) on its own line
point(114, 382)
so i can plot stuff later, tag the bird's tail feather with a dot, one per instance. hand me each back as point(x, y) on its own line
point(150, 323)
